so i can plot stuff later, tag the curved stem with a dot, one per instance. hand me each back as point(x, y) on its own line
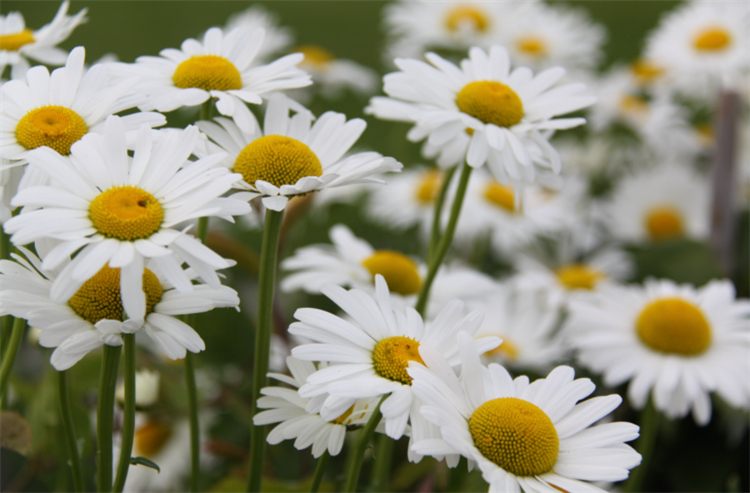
point(105, 416)
point(382, 465)
point(445, 240)
point(70, 434)
point(319, 470)
point(19, 325)
point(128, 419)
point(645, 446)
point(439, 201)
point(266, 285)
point(358, 454)
point(195, 445)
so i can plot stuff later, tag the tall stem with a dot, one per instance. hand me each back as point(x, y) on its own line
point(105, 416)
point(382, 465)
point(438, 213)
point(319, 470)
point(445, 241)
point(70, 434)
point(645, 446)
point(128, 419)
point(207, 109)
point(10, 356)
point(266, 285)
point(358, 454)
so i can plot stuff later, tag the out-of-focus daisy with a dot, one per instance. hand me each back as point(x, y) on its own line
point(220, 67)
point(370, 353)
point(532, 437)
point(291, 156)
point(146, 389)
point(285, 406)
point(97, 314)
point(10, 178)
point(277, 38)
point(331, 75)
point(119, 210)
point(57, 110)
point(353, 263)
point(664, 203)
point(17, 43)
point(507, 113)
point(677, 342)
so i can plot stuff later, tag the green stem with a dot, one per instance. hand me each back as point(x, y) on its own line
point(207, 109)
point(105, 416)
point(319, 470)
point(381, 468)
point(439, 201)
point(195, 441)
point(358, 454)
point(266, 286)
point(645, 446)
point(5, 246)
point(19, 326)
point(445, 241)
point(70, 434)
point(128, 417)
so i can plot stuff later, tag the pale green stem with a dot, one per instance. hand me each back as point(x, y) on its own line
point(358, 454)
point(128, 416)
point(70, 434)
point(319, 470)
point(649, 424)
point(19, 326)
point(382, 465)
point(105, 416)
point(207, 109)
point(439, 201)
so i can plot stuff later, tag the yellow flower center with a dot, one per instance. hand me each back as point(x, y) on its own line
point(506, 350)
point(646, 72)
point(207, 72)
point(278, 160)
point(315, 55)
point(391, 357)
point(13, 42)
point(99, 297)
point(500, 196)
point(56, 127)
point(467, 15)
point(516, 435)
point(126, 213)
point(633, 105)
point(579, 276)
point(532, 46)
point(491, 102)
point(664, 223)
point(151, 437)
point(712, 39)
point(399, 271)
point(673, 325)
point(340, 420)
point(428, 187)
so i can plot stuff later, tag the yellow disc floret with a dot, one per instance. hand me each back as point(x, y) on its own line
point(207, 72)
point(500, 196)
point(99, 297)
point(399, 271)
point(712, 39)
point(664, 223)
point(532, 46)
point(516, 435)
point(579, 276)
point(467, 15)
point(646, 72)
point(341, 419)
point(316, 56)
point(428, 187)
point(151, 437)
point(673, 325)
point(126, 213)
point(56, 127)
point(278, 160)
point(391, 357)
point(491, 102)
point(13, 42)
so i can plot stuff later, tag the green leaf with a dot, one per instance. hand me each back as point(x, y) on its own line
point(142, 461)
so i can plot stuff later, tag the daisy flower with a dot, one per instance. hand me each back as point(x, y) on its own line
point(58, 110)
point(663, 203)
point(119, 210)
point(220, 67)
point(17, 43)
point(285, 406)
point(276, 40)
point(332, 75)
point(677, 342)
point(146, 389)
point(291, 156)
point(506, 113)
point(97, 313)
point(535, 437)
point(370, 353)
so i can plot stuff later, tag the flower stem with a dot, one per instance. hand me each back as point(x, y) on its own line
point(319, 470)
point(207, 109)
point(439, 201)
point(382, 465)
point(105, 416)
point(358, 454)
point(645, 446)
point(266, 286)
point(70, 434)
point(128, 419)
point(195, 444)
point(445, 241)
point(19, 326)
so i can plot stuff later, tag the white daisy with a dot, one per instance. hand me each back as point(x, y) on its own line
point(331, 75)
point(57, 110)
point(220, 67)
point(370, 354)
point(285, 406)
point(96, 313)
point(276, 40)
point(146, 389)
point(119, 210)
point(532, 437)
point(664, 203)
point(507, 113)
point(291, 156)
point(677, 342)
point(17, 43)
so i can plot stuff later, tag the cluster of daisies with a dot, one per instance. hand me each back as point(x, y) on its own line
point(106, 208)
